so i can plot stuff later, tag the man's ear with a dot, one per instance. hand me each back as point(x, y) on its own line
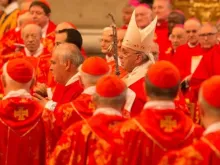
point(68, 65)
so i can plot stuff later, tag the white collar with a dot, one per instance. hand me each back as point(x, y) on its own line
point(212, 128)
point(192, 46)
point(107, 111)
point(137, 73)
point(90, 90)
point(11, 7)
point(159, 105)
point(73, 79)
point(19, 93)
point(17, 29)
point(44, 30)
point(109, 59)
point(36, 54)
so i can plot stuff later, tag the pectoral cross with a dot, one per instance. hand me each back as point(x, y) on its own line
point(92, 106)
point(168, 124)
point(21, 113)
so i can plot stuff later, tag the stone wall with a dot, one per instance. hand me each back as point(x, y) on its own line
point(87, 13)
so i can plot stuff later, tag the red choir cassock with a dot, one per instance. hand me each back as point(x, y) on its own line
point(79, 109)
point(161, 126)
point(88, 142)
point(22, 129)
point(208, 67)
point(21, 126)
point(187, 58)
point(162, 37)
point(92, 141)
point(205, 151)
point(10, 42)
point(148, 137)
point(167, 55)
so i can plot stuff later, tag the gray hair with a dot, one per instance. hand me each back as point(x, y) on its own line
point(68, 51)
point(89, 79)
point(117, 101)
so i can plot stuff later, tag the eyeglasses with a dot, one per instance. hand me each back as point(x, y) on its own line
point(207, 34)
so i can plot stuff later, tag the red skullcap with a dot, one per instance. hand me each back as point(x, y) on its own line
point(95, 66)
point(210, 91)
point(163, 74)
point(20, 70)
point(110, 86)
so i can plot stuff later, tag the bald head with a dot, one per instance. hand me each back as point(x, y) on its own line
point(24, 19)
point(192, 27)
point(31, 34)
point(162, 9)
point(178, 37)
point(64, 25)
point(143, 16)
point(207, 36)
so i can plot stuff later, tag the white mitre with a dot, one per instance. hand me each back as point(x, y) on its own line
point(140, 39)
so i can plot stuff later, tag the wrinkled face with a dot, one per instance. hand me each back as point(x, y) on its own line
point(161, 9)
point(57, 69)
point(60, 38)
point(3, 3)
point(192, 28)
point(129, 58)
point(174, 19)
point(106, 42)
point(143, 16)
point(178, 37)
point(120, 35)
point(207, 37)
point(32, 39)
point(39, 16)
point(126, 15)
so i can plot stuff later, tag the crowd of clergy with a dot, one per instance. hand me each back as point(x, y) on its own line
point(60, 106)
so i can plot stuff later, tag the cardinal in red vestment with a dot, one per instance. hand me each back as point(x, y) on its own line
point(92, 141)
point(205, 151)
point(40, 11)
point(82, 107)
point(12, 40)
point(161, 126)
point(162, 9)
point(21, 125)
point(177, 38)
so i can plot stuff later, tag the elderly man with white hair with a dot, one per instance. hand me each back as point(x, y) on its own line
point(65, 60)
point(21, 124)
point(109, 97)
point(136, 57)
point(33, 51)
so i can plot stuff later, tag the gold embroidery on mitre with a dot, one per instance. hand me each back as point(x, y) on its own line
point(21, 114)
point(168, 124)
